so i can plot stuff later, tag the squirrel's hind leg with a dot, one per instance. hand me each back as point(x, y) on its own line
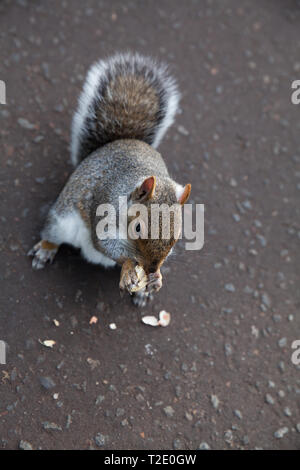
point(42, 252)
point(51, 238)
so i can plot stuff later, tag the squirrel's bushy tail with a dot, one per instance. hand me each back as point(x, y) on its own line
point(128, 96)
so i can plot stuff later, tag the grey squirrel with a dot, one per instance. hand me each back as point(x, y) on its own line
point(127, 104)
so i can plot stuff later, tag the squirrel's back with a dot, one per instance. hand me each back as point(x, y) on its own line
point(128, 96)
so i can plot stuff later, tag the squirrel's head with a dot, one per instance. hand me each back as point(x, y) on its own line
point(154, 220)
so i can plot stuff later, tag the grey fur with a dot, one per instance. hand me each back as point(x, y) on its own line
point(96, 182)
point(126, 96)
point(126, 106)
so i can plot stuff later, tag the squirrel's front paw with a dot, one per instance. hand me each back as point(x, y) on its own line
point(129, 278)
point(154, 282)
point(42, 252)
point(133, 277)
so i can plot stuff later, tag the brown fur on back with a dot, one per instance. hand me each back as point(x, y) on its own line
point(134, 105)
point(128, 96)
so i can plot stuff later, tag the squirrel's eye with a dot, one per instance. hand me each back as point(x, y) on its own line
point(138, 228)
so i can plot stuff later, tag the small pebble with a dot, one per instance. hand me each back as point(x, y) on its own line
point(215, 401)
point(177, 444)
point(47, 383)
point(51, 426)
point(228, 436)
point(233, 182)
point(26, 124)
point(182, 130)
point(229, 287)
point(282, 342)
point(204, 446)
point(287, 411)
point(265, 298)
point(269, 399)
point(169, 411)
point(99, 399)
point(25, 445)
point(228, 349)
point(281, 432)
point(100, 440)
point(238, 414)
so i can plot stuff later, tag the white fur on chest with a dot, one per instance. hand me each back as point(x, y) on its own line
point(71, 229)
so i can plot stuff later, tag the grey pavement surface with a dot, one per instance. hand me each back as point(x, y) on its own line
point(220, 376)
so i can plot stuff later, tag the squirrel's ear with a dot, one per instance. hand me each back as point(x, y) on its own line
point(184, 194)
point(146, 190)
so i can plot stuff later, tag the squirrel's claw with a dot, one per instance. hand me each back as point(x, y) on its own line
point(129, 279)
point(141, 298)
point(133, 279)
point(42, 253)
point(128, 282)
point(155, 282)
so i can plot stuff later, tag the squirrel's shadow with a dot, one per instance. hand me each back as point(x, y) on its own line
point(96, 282)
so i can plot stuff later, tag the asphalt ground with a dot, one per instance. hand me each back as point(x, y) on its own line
point(220, 376)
